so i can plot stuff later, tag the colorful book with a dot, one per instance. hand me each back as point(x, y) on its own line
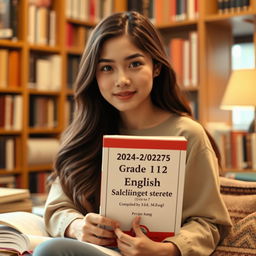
point(144, 176)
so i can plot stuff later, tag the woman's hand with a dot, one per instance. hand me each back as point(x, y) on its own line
point(141, 245)
point(89, 229)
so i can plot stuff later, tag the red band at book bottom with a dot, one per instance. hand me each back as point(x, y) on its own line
point(155, 236)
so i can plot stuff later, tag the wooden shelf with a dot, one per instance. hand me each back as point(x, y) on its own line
point(239, 15)
point(10, 172)
point(9, 132)
point(11, 44)
point(44, 130)
point(178, 24)
point(39, 168)
point(45, 48)
point(81, 23)
point(40, 92)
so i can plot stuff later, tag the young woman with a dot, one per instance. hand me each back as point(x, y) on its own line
point(126, 85)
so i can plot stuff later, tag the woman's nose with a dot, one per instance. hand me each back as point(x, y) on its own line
point(122, 80)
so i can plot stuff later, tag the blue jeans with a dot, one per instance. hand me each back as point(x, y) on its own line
point(66, 247)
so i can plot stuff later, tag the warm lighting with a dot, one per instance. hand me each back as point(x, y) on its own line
point(241, 90)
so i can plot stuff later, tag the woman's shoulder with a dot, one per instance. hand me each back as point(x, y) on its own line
point(193, 131)
point(185, 125)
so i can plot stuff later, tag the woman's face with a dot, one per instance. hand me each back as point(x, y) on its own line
point(125, 75)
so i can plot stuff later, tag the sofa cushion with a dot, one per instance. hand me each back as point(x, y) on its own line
point(241, 240)
point(237, 187)
point(239, 197)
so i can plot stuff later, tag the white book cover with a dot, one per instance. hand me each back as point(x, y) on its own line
point(18, 112)
point(186, 63)
point(10, 153)
point(52, 28)
point(43, 74)
point(84, 10)
point(75, 9)
point(8, 112)
point(68, 8)
point(32, 23)
point(55, 72)
point(144, 176)
point(194, 58)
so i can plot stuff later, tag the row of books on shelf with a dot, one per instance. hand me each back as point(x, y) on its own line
point(9, 12)
point(9, 181)
point(76, 36)
point(10, 112)
point(43, 112)
point(183, 54)
point(41, 151)
point(37, 181)
point(238, 149)
point(166, 11)
point(89, 10)
point(10, 68)
point(45, 72)
point(42, 23)
point(231, 6)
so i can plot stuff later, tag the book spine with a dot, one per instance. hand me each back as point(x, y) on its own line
point(6, 31)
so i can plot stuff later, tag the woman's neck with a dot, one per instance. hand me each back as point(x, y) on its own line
point(144, 119)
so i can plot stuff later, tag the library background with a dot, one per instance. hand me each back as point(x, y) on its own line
point(41, 42)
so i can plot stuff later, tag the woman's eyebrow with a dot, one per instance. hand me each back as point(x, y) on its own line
point(133, 56)
point(136, 55)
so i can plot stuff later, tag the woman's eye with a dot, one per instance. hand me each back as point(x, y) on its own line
point(135, 64)
point(106, 68)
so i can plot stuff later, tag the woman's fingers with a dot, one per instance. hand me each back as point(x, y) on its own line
point(97, 219)
point(98, 229)
point(136, 227)
point(102, 232)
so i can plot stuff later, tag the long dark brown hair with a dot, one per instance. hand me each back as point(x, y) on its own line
point(78, 163)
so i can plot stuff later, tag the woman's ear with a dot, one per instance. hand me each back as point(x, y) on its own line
point(157, 69)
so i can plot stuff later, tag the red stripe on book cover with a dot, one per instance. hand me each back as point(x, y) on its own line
point(146, 144)
point(155, 236)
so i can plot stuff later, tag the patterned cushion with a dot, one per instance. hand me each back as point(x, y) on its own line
point(241, 241)
point(237, 187)
point(240, 199)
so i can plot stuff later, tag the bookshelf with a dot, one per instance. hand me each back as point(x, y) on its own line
point(216, 31)
point(42, 108)
point(67, 42)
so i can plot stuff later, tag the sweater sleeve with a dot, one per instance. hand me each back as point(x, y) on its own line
point(59, 211)
point(203, 208)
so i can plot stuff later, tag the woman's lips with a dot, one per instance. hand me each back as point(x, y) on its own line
point(125, 95)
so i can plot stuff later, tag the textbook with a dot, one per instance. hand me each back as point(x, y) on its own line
point(21, 232)
point(15, 199)
point(144, 176)
point(8, 195)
